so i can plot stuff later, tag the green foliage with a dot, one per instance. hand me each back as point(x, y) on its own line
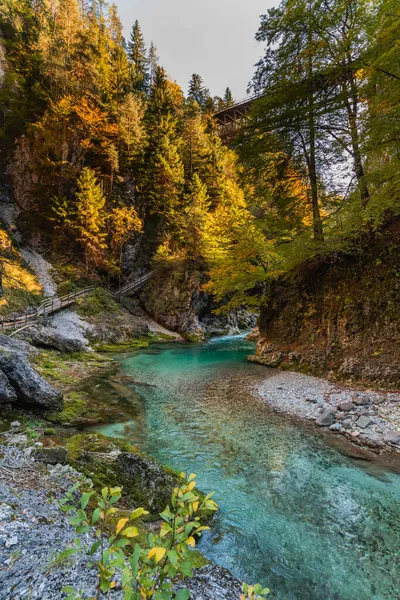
point(147, 569)
point(98, 302)
point(253, 592)
point(138, 57)
point(90, 217)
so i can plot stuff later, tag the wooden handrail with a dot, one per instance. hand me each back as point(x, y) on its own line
point(51, 305)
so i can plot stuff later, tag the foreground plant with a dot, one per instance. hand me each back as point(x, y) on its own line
point(142, 571)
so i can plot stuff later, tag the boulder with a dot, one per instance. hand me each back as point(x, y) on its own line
point(49, 337)
point(145, 480)
point(31, 389)
point(7, 393)
point(345, 406)
point(392, 437)
point(327, 418)
point(363, 422)
point(7, 343)
point(51, 456)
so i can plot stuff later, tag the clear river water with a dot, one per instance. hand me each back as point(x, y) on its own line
point(296, 514)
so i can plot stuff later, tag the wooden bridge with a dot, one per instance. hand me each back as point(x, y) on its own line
point(52, 305)
point(230, 120)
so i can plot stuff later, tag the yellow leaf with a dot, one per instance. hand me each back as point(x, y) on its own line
point(191, 485)
point(157, 552)
point(121, 523)
point(130, 532)
point(191, 541)
point(195, 506)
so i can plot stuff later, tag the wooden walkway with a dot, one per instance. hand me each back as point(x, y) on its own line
point(52, 305)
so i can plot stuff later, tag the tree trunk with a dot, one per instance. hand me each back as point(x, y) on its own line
point(311, 162)
point(355, 142)
point(312, 171)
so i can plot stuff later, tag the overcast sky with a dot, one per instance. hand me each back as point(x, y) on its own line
point(214, 38)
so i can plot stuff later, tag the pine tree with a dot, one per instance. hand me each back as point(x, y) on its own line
point(123, 223)
point(153, 64)
point(90, 217)
point(138, 57)
point(228, 98)
point(119, 81)
point(194, 220)
point(197, 90)
point(131, 128)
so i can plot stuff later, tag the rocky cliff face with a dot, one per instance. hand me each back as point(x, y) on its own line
point(339, 317)
point(175, 300)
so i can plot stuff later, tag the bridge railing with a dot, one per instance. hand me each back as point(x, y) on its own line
point(238, 103)
point(52, 305)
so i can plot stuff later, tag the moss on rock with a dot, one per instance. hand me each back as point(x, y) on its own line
point(75, 409)
point(95, 442)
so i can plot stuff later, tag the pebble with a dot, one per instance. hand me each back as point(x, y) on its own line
point(15, 424)
point(392, 437)
point(364, 422)
point(345, 406)
point(335, 427)
point(362, 400)
point(12, 541)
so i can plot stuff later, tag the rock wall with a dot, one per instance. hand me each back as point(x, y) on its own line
point(174, 298)
point(339, 317)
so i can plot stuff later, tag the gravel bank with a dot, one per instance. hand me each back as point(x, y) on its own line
point(367, 418)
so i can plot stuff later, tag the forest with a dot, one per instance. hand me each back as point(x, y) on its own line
point(103, 148)
point(168, 284)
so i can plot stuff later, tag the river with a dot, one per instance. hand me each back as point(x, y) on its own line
point(295, 514)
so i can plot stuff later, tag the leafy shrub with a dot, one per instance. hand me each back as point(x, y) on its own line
point(145, 571)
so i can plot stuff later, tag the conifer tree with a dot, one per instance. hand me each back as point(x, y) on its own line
point(194, 220)
point(138, 57)
point(228, 98)
point(153, 64)
point(90, 217)
point(123, 223)
point(119, 81)
point(197, 90)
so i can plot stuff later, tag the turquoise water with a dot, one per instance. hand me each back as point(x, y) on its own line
point(295, 514)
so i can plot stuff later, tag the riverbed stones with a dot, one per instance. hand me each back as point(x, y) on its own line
point(362, 400)
point(378, 399)
point(346, 406)
point(335, 427)
point(392, 437)
point(364, 422)
point(211, 582)
point(326, 418)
